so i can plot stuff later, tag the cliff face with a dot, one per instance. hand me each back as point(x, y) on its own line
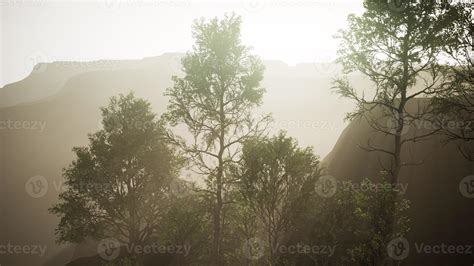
point(439, 212)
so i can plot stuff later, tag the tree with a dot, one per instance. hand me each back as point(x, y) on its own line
point(214, 101)
point(399, 50)
point(119, 184)
point(455, 104)
point(352, 219)
point(184, 223)
point(276, 179)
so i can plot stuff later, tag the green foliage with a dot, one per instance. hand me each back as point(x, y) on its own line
point(401, 50)
point(355, 222)
point(455, 103)
point(185, 224)
point(375, 230)
point(276, 179)
point(215, 101)
point(118, 185)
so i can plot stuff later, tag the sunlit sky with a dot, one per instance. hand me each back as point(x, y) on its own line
point(292, 31)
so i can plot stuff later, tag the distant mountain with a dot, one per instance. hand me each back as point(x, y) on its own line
point(52, 110)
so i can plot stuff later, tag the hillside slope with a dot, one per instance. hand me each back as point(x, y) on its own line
point(439, 213)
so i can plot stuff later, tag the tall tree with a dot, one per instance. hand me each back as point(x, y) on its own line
point(456, 102)
point(214, 101)
point(276, 180)
point(399, 49)
point(118, 185)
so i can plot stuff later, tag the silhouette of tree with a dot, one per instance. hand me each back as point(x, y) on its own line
point(214, 101)
point(118, 186)
point(399, 48)
point(455, 104)
point(276, 179)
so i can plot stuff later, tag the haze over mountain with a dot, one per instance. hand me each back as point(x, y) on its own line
point(60, 103)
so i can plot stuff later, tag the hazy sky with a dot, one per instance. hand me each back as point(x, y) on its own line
point(43, 30)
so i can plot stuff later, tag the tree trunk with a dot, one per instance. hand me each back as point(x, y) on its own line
point(217, 228)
